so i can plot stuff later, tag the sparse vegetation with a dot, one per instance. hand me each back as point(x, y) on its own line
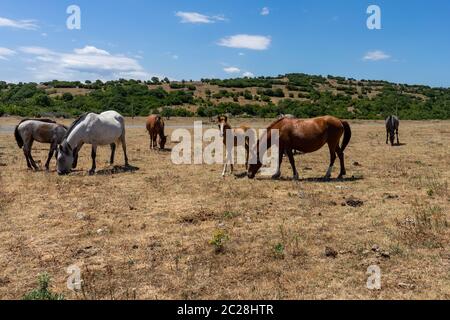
point(219, 239)
point(43, 292)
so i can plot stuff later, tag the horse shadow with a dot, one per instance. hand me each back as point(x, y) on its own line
point(313, 179)
point(117, 170)
point(397, 145)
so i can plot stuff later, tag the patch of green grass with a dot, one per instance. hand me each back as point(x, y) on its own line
point(219, 239)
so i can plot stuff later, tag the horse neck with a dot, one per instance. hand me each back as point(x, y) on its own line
point(76, 136)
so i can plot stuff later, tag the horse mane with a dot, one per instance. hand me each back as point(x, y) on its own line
point(275, 123)
point(74, 124)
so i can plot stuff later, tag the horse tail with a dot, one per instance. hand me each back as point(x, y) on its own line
point(18, 137)
point(347, 135)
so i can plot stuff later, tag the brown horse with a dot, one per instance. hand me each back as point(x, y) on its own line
point(155, 127)
point(40, 130)
point(308, 136)
point(239, 134)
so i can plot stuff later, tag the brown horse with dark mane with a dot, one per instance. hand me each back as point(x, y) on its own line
point(155, 128)
point(308, 136)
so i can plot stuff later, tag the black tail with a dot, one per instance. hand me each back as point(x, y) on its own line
point(18, 137)
point(347, 135)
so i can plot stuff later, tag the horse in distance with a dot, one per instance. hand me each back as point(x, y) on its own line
point(392, 126)
point(40, 130)
point(307, 136)
point(155, 126)
point(107, 128)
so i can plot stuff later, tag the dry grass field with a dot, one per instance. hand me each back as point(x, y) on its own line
point(146, 234)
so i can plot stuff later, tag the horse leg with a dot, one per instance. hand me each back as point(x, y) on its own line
point(247, 154)
point(332, 160)
point(25, 153)
point(398, 141)
point(93, 155)
point(113, 153)
point(292, 161)
point(342, 161)
point(124, 148)
point(280, 161)
point(387, 136)
point(50, 156)
point(33, 163)
point(225, 166)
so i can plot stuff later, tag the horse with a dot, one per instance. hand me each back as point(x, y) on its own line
point(40, 130)
point(107, 128)
point(307, 136)
point(155, 127)
point(392, 125)
point(239, 134)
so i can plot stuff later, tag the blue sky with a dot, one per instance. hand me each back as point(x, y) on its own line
point(187, 39)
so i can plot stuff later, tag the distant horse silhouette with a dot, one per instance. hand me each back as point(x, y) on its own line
point(107, 128)
point(392, 125)
point(40, 130)
point(307, 136)
point(239, 134)
point(155, 127)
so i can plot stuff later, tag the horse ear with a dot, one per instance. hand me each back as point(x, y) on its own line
point(226, 119)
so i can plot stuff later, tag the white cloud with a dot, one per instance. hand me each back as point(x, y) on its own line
point(175, 57)
point(232, 70)
point(376, 55)
point(198, 18)
point(248, 74)
point(5, 53)
point(18, 24)
point(265, 11)
point(245, 41)
point(91, 50)
point(83, 63)
point(241, 54)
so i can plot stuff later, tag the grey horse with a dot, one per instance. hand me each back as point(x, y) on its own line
point(40, 130)
point(392, 125)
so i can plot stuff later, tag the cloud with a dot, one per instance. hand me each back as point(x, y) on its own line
point(245, 41)
point(248, 74)
point(198, 18)
point(265, 11)
point(18, 24)
point(376, 55)
point(83, 63)
point(232, 70)
point(5, 53)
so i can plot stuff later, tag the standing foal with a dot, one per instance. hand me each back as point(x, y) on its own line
point(239, 134)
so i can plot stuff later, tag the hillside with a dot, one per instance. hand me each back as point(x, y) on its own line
point(298, 94)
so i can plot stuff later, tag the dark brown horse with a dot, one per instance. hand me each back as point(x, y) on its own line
point(40, 130)
point(155, 127)
point(308, 136)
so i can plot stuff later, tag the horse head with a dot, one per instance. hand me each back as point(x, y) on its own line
point(65, 158)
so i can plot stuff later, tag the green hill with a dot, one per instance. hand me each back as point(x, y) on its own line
point(298, 94)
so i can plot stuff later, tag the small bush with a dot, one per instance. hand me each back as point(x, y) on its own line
point(220, 238)
point(42, 292)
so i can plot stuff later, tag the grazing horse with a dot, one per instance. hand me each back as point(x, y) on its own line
point(308, 136)
point(392, 125)
point(40, 130)
point(239, 134)
point(103, 129)
point(155, 127)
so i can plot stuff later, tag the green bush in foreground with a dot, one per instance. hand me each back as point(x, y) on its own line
point(42, 292)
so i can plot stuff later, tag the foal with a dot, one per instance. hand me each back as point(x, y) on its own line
point(40, 130)
point(239, 134)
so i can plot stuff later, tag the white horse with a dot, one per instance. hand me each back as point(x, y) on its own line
point(107, 128)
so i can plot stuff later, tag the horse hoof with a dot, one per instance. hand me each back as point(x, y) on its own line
point(276, 177)
point(92, 172)
point(296, 178)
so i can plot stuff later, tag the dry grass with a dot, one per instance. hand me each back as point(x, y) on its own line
point(150, 234)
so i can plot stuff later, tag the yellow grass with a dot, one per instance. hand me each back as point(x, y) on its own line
point(148, 234)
